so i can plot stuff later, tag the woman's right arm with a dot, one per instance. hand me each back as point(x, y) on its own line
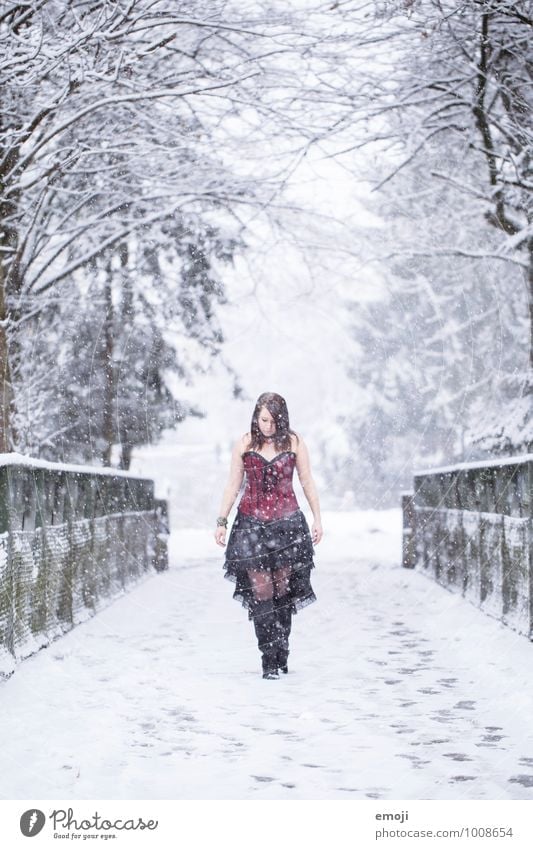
point(232, 489)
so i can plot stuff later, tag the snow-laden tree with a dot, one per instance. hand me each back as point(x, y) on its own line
point(444, 104)
point(111, 350)
point(116, 117)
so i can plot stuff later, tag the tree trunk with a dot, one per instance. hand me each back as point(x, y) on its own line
point(109, 382)
point(5, 374)
point(125, 456)
point(127, 315)
point(8, 251)
point(530, 297)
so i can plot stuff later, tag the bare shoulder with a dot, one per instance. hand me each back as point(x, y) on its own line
point(244, 442)
point(239, 447)
point(297, 443)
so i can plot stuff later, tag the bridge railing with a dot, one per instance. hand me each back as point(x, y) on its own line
point(71, 538)
point(470, 527)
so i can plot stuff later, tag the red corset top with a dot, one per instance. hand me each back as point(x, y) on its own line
point(268, 492)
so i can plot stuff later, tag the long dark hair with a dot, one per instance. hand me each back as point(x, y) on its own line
point(277, 407)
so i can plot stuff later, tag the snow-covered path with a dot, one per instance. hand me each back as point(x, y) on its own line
point(396, 690)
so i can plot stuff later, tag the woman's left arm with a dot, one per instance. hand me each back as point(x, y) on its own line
point(303, 467)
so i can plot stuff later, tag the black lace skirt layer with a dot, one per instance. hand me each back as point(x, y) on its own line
point(267, 546)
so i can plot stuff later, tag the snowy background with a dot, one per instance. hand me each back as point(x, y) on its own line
point(304, 206)
point(328, 202)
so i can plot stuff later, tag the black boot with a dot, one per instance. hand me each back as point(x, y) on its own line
point(284, 617)
point(266, 630)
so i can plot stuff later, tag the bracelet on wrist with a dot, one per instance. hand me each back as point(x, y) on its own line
point(222, 522)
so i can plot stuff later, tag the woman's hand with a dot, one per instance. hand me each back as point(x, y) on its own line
point(220, 535)
point(316, 532)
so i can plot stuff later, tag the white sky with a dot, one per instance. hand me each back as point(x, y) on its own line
point(285, 322)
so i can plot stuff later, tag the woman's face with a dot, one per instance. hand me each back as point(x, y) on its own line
point(267, 425)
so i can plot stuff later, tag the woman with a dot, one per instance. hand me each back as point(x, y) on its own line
point(270, 550)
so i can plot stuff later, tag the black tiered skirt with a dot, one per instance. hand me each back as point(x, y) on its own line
point(267, 546)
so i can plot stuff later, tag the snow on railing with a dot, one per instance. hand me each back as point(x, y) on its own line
point(470, 527)
point(71, 538)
